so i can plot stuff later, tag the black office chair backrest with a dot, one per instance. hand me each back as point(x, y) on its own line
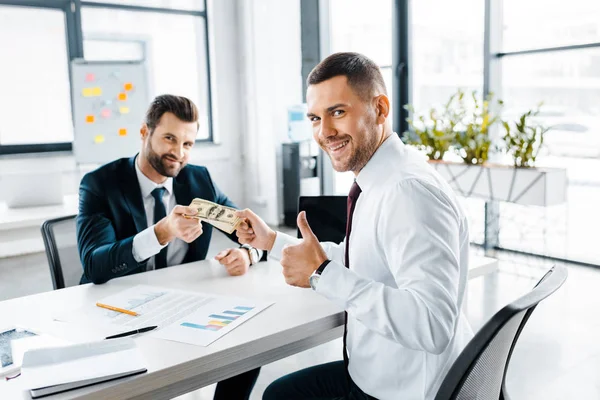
point(60, 240)
point(479, 372)
point(326, 216)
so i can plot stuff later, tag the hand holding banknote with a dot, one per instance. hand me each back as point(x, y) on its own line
point(175, 225)
point(221, 217)
point(254, 231)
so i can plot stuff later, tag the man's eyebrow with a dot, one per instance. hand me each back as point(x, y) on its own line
point(329, 109)
point(338, 105)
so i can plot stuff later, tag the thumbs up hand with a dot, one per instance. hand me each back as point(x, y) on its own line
point(301, 260)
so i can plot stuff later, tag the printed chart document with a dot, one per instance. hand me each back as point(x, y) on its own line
point(182, 316)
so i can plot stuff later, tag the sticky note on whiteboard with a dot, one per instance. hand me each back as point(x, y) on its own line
point(89, 119)
point(122, 96)
point(105, 113)
point(124, 110)
point(122, 132)
point(128, 86)
point(99, 139)
point(90, 77)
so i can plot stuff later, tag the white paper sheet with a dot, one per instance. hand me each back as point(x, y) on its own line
point(59, 365)
point(182, 316)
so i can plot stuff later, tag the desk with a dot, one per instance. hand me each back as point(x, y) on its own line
point(300, 319)
point(20, 227)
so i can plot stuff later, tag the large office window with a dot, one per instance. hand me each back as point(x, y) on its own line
point(35, 102)
point(554, 58)
point(446, 49)
point(39, 40)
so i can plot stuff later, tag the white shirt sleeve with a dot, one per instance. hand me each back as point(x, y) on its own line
point(146, 244)
point(335, 252)
point(418, 229)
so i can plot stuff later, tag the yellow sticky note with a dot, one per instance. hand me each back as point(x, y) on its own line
point(97, 91)
point(124, 110)
point(122, 132)
point(89, 119)
point(87, 92)
point(99, 139)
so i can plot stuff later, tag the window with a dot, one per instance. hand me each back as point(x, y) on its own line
point(567, 81)
point(35, 102)
point(40, 41)
point(447, 49)
point(197, 5)
point(535, 24)
point(172, 45)
point(365, 29)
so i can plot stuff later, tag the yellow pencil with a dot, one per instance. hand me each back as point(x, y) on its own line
point(121, 310)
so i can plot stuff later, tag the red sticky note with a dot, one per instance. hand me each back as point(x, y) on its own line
point(90, 77)
point(105, 113)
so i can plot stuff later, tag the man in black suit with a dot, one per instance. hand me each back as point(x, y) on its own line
point(129, 219)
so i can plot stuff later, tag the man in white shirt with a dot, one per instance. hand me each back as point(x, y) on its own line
point(401, 271)
point(129, 220)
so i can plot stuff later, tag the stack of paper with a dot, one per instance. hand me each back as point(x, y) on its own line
point(58, 369)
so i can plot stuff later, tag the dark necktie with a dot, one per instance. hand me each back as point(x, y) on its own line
point(352, 198)
point(160, 260)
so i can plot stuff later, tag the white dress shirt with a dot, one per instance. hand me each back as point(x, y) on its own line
point(409, 249)
point(145, 243)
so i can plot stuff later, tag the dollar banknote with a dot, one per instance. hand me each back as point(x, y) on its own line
point(219, 216)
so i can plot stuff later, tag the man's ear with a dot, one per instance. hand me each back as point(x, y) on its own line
point(382, 107)
point(144, 131)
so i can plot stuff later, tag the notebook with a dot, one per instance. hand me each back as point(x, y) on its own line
point(54, 370)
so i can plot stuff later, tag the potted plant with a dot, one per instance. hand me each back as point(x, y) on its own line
point(466, 129)
point(473, 142)
point(433, 134)
point(524, 138)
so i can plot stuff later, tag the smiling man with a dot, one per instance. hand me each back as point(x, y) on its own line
point(129, 219)
point(401, 271)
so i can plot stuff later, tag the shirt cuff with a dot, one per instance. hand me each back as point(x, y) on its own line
point(146, 245)
point(281, 240)
point(337, 283)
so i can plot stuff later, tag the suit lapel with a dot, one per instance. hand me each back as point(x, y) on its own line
point(130, 187)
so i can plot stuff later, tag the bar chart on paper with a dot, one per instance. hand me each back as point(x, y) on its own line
point(211, 321)
point(218, 321)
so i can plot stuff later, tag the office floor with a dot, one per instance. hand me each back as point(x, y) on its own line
point(557, 357)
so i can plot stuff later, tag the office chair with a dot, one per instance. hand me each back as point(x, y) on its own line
point(60, 241)
point(479, 372)
point(326, 216)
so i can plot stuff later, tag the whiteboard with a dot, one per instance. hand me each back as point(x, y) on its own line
point(109, 105)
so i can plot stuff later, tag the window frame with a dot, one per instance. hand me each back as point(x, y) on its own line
point(74, 43)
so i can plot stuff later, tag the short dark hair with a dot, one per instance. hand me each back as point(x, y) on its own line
point(364, 76)
point(182, 107)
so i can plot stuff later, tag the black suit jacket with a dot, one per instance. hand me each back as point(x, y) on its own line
point(111, 213)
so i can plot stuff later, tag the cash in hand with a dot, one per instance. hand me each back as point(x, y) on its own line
point(221, 217)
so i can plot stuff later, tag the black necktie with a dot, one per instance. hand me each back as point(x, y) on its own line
point(160, 260)
point(352, 198)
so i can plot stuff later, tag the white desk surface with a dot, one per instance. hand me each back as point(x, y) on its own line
point(299, 319)
point(11, 218)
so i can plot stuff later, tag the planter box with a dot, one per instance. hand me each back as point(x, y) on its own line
point(525, 186)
